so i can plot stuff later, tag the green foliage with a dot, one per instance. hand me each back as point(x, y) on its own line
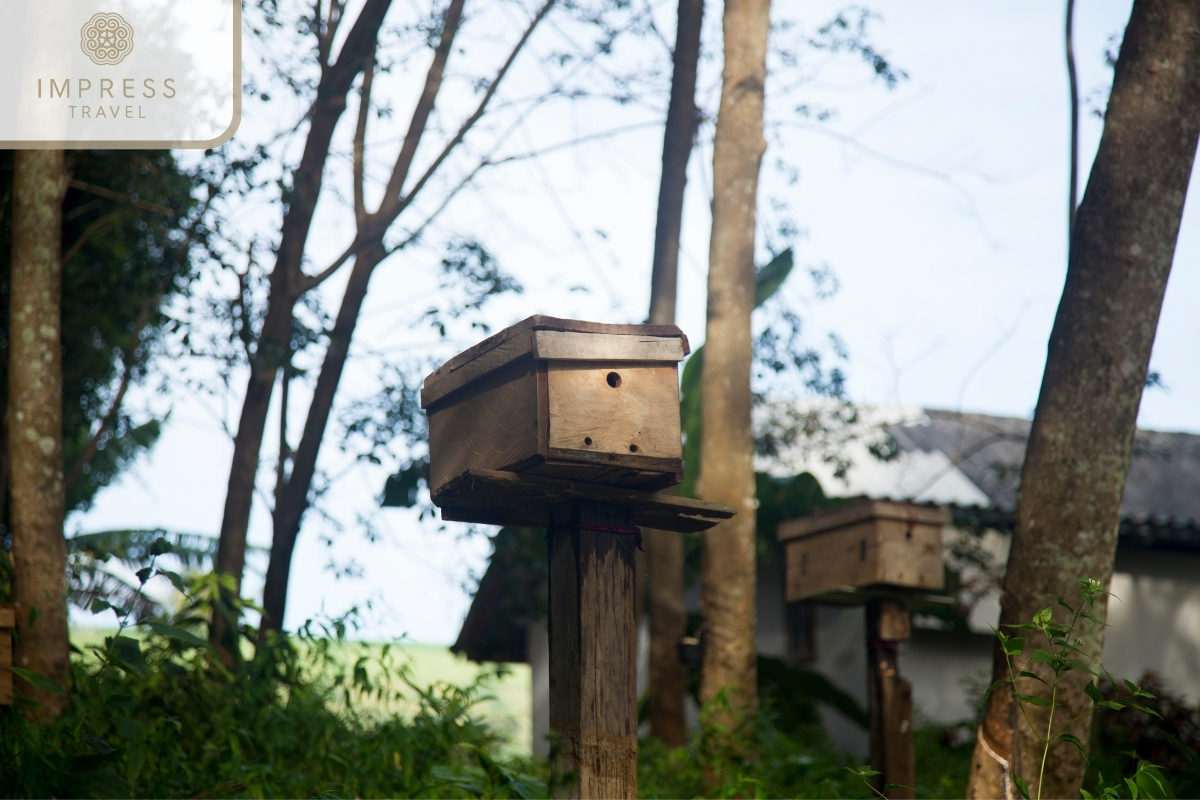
point(1124, 739)
point(131, 220)
point(717, 762)
point(156, 715)
point(1064, 649)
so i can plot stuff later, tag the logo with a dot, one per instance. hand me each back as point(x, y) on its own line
point(106, 38)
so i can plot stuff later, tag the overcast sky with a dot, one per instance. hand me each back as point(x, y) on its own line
point(940, 206)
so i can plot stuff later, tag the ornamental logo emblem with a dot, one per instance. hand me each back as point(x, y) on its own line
point(106, 38)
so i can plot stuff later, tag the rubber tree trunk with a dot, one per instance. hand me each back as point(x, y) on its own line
point(727, 443)
point(39, 552)
point(287, 284)
point(1097, 361)
point(664, 549)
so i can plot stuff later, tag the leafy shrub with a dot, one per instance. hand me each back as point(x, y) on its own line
point(157, 715)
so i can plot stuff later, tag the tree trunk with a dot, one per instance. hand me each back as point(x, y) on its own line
point(664, 549)
point(292, 502)
point(1097, 361)
point(727, 442)
point(287, 284)
point(39, 552)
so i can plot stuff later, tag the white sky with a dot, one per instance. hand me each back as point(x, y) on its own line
point(948, 284)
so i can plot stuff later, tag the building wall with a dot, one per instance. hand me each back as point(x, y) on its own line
point(1155, 619)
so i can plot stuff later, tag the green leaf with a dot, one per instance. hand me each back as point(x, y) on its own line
point(1026, 674)
point(175, 578)
point(129, 728)
point(39, 680)
point(995, 686)
point(1042, 618)
point(160, 546)
point(1133, 788)
point(179, 634)
point(143, 574)
point(1101, 622)
point(1042, 657)
point(1073, 739)
point(1091, 691)
point(768, 279)
point(100, 604)
point(1137, 690)
point(1014, 646)
point(128, 654)
point(1070, 609)
point(1033, 700)
point(1022, 786)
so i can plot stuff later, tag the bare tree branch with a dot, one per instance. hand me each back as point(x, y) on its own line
point(420, 117)
point(466, 126)
point(130, 360)
point(360, 135)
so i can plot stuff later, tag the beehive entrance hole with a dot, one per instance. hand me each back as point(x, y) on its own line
point(614, 380)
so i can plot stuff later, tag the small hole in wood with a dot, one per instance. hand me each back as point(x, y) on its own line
point(614, 380)
point(908, 534)
point(587, 440)
point(633, 448)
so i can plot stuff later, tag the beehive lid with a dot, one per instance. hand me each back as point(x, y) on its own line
point(860, 510)
point(551, 338)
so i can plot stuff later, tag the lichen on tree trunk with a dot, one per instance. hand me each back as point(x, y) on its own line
point(36, 488)
point(727, 442)
point(1097, 362)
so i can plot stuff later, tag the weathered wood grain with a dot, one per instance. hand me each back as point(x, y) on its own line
point(572, 346)
point(639, 416)
point(516, 341)
point(492, 424)
point(843, 551)
point(859, 510)
point(593, 644)
point(505, 498)
point(890, 704)
point(8, 616)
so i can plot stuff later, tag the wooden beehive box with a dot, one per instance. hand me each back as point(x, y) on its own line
point(583, 401)
point(867, 544)
point(8, 621)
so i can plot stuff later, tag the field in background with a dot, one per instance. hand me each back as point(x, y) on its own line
point(507, 710)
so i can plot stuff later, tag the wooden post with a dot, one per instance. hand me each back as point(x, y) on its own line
point(593, 646)
point(8, 621)
point(890, 697)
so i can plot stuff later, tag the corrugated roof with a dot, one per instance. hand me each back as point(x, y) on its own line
point(1164, 475)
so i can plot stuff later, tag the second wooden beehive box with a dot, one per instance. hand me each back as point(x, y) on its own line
point(570, 399)
point(868, 543)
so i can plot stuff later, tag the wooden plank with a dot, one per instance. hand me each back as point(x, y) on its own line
point(520, 332)
point(910, 554)
point(506, 498)
point(572, 346)
point(439, 384)
point(657, 476)
point(842, 559)
point(872, 552)
point(858, 511)
point(890, 708)
point(895, 623)
point(593, 647)
point(621, 407)
point(490, 425)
